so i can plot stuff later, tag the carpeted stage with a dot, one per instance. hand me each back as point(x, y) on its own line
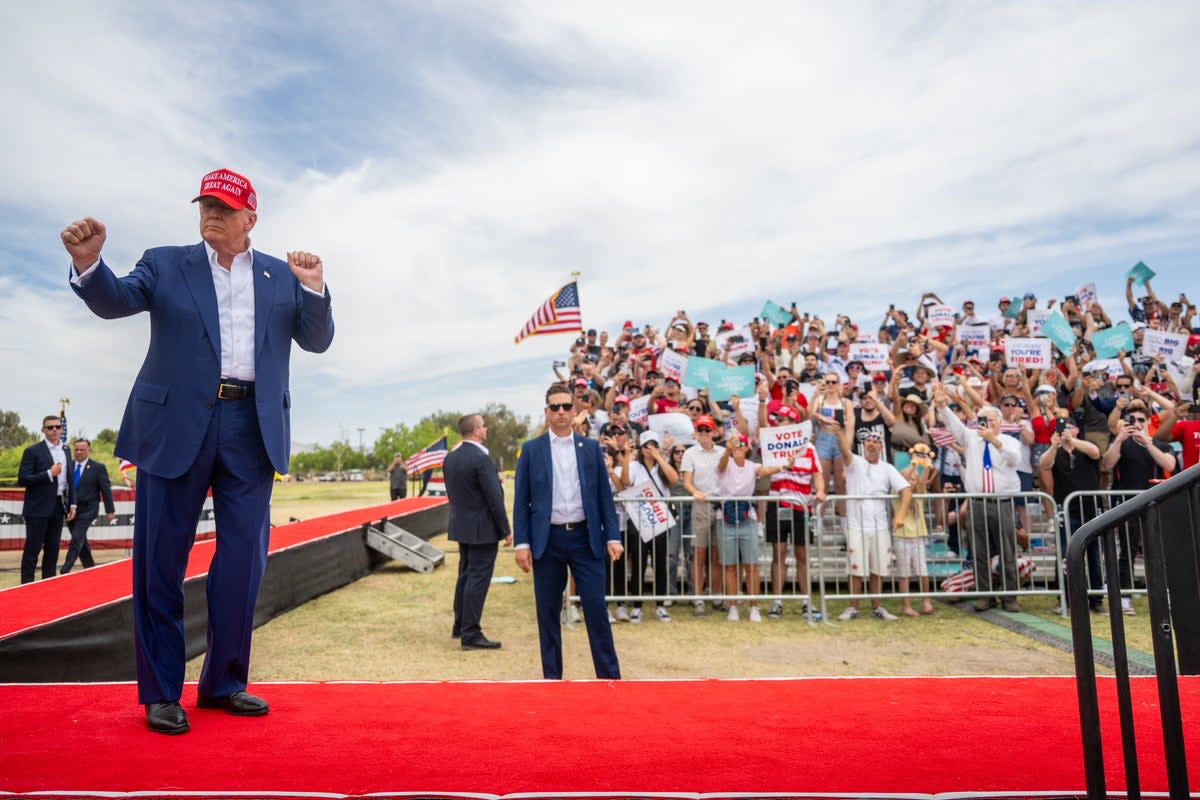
point(862, 736)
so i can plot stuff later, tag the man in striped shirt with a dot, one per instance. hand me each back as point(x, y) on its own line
point(989, 466)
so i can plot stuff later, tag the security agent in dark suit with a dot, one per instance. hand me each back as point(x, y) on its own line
point(477, 522)
point(90, 480)
point(49, 499)
point(564, 517)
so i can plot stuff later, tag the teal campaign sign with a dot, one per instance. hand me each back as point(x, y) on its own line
point(1111, 341)
point(1140, 273)
point(700, 371)
point(730, 381)
point(1059, 331)
point(1014, 308)
point(775, 314)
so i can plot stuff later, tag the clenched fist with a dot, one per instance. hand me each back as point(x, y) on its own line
point(83, 239)
point(308, 269)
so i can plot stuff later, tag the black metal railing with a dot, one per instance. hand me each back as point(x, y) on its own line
point(1167, 518)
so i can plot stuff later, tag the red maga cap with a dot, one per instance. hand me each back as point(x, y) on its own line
point(230, 188)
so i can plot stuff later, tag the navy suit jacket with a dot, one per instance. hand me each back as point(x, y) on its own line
point(172, 399)
point(476, 497)
point(94, 487)
point(534, 495)
point(41, 491)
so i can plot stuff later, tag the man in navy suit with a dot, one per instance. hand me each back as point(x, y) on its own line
point(477, 522)
point(90, 481)
point(564, 516)
point(209, 408)
point(49, 499)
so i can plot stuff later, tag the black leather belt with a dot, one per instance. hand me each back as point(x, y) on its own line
point(234, 390)
point(570, 526)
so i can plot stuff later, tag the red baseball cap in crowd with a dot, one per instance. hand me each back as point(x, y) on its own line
point(628, 326)
point(778, 409)
point(705, 421)
point(581, 382)
point(621, 398)
point(742, 440)
point(230, 188)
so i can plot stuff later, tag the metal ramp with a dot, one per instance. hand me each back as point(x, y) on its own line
point(400, 545)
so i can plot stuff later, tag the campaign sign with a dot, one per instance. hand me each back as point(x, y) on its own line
point(676, 423)
point(1014, 308)
point(941, 316)
point(1086, 295)
point(1056, 328)
point(748, 405)
point(775, 314)
point(1171, 346)
point(1036, 318)
point(729, 381)
point(866, 336)
point(639, 409)
point(874, 357)
point(780, 444)
point(672, 365)
point(1114, 340)
point(974, 339)
point(735, 342)
point(1140, 273)
point(1027, 353)
point(650, 517)
point(699, 372)
point(1111, 366)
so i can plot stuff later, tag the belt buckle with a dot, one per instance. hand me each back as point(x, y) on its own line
point(233, 391)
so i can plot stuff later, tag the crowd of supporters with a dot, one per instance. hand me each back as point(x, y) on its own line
point(1101, 411)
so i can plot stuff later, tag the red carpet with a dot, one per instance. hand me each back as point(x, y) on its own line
point(42, 602)
point(864, 735)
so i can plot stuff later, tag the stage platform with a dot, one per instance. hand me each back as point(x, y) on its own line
point(79, 626)
point(859, 737)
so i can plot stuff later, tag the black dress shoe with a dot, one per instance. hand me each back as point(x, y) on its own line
point(480, 642)
point(455, 634)
point(166, 718)
point(242, 704)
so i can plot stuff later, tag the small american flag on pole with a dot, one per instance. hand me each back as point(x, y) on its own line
point(427, 459)
point(559, 314)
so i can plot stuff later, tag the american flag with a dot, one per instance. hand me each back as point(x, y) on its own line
point(62, 417)
point(559, 314)
point(942, 437)
point(427, 459)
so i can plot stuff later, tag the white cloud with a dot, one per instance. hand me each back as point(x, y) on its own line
point(695, 156)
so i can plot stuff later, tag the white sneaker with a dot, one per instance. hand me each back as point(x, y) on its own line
point(635, 616)
point(776, 609)
point(698, 608)
point(611, 618)
point(668, 603)
point(754, 615)
point(849, 613)
point(733, 613)
point(1127, 607)
point(622, 614)
point(661, 614)
point(573, 615)
point(879, 612)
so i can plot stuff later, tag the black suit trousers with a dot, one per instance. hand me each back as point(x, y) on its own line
point(42, 535)
point(475, 565)
point(79, 547)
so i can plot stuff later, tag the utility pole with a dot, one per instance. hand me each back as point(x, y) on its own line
point(360, 440)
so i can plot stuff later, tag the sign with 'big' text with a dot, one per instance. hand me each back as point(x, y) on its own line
point(780, 444)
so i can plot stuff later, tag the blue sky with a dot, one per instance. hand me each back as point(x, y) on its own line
point(453, 163)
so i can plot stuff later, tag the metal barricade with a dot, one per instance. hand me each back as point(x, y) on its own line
point(721, 550)
point(1080, 508)
point(1012, 536)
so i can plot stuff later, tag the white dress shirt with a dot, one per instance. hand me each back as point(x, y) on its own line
point(235, 312)
point(567, 505)
point(60, 458)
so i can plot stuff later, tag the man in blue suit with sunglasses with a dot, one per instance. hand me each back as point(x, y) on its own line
point(209, 409)
point(564, 517)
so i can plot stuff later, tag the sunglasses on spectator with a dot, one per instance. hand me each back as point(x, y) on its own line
point(1124, 385)
point(559, 406)
point(695, 408)
point(704, 429)
point(831, 383)
point(1136, 419)
point(52, 427)
point(1008, 405)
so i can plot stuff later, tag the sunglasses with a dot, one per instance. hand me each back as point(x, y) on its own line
point(1008, 405)
point(559, 406)
point(831, 383)
point(52, 427)
point(695, 408)
point(1124, 385)
point(1137, 420)
point(704, 429)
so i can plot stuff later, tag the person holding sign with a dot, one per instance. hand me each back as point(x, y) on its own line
point(737, 533)
point(649, 465)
